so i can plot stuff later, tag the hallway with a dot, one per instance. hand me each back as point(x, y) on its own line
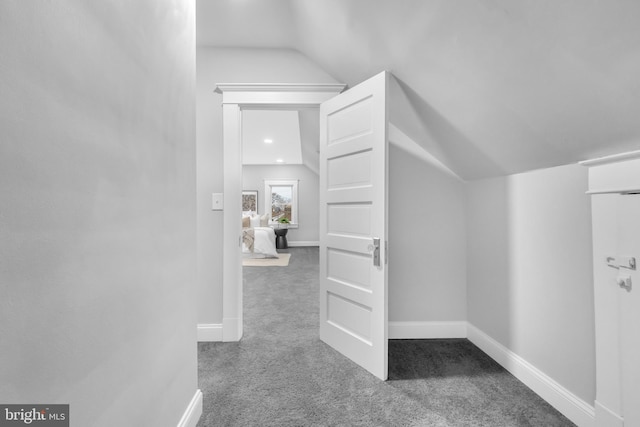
point(281, 374)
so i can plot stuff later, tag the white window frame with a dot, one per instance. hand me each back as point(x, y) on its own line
point(294, 198)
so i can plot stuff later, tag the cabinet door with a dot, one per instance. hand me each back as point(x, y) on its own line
point(628, 211)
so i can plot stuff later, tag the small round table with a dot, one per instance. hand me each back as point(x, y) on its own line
point(281, 239)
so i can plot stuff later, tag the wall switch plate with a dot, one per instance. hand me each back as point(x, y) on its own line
point(217, 201)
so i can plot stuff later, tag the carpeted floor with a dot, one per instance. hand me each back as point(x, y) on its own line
point(281, 374)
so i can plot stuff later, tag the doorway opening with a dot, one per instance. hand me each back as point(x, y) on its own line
point(280, 181)
point(237, 98)
point(353, 211)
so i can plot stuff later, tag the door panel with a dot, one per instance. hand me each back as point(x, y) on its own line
point(349, 268)
point(349, 219)
point(350, 122)
point(352, 170)
point(344, 313)
point(353, 211)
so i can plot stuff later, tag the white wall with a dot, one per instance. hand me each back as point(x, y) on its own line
point(530, 271)
point(417, 190)
point(97, 214)
point(253, 177)
point(229, 65)
point(427, 241)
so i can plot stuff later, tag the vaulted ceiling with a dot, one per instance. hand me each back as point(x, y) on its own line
point(488, 87)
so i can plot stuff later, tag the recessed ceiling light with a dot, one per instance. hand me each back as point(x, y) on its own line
point(268, 141)
point(279, 161)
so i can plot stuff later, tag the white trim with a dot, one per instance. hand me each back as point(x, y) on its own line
point(236, 97)
point(209, 332)
point(231, 329)
point(615, 174)
point(611, 159)
point(280, 87)
point(232, 229)
point(623, 191)
point(427, 330)
point(193, 412)
point(606, 417)
point(303, 243)
point(277, 96)
point(570, 405)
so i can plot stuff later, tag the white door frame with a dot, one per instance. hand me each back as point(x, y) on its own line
point(235, 98)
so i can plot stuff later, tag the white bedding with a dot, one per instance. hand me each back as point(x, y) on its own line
point(264, 244)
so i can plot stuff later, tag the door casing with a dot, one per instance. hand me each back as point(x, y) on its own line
point(237, 97)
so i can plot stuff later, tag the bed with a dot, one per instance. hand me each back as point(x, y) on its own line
point(258, 240)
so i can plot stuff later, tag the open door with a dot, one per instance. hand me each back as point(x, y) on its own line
point(353, 223)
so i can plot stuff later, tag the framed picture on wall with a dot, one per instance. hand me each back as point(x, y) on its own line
point(250, 201)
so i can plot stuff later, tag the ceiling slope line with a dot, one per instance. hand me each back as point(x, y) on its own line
point(405, 143)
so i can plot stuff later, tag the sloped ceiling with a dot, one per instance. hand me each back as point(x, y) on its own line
point(488, 87)
point(282, 131)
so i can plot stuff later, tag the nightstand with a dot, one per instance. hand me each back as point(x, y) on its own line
point(281, 238)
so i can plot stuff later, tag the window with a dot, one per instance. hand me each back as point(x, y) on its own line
point(282, 201)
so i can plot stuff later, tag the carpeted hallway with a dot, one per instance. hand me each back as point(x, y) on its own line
point(281, 374)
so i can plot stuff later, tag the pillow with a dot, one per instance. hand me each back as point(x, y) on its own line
point(264, 220)
point(254, 221)
point(245, 222)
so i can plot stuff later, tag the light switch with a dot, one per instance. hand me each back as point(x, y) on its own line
point(218, 201)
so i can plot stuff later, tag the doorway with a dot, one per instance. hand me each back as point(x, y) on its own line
point(280, 171)
point(353, 208)
point(235, 99)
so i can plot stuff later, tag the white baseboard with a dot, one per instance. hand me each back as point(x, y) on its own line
point(231, 329)
point(606, 417)
point(570, 405)
point(302, 243)
point(193, 412)
point(209, 332)
point(427, 330)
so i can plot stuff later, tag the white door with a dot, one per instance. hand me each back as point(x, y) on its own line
point(628, 210)
point(353, 224)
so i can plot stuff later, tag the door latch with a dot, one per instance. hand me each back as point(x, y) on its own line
point(376, 251)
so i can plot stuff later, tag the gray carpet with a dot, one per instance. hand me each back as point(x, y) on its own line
point(281, 374)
